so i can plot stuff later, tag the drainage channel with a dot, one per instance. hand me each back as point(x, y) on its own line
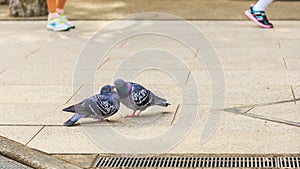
point(198, 161)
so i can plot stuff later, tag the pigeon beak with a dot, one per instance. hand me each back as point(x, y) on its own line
point(113, 87)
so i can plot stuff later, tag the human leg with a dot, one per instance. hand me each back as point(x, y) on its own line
point(60, 10)
point(52, 9)
point(54, 21)
point(60, 4)
point(262, 5)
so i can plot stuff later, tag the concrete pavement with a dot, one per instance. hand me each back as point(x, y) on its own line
point(260, 66)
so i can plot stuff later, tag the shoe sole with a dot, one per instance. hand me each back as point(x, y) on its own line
point(251, 17)
point(49, 29)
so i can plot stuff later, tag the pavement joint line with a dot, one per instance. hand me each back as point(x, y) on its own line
point(105, 61)
point(239, 110)
point(33, 52)
point(174, 116)
point(188, 76)
point(264, 104)
point(30, 125)
point(273, 119)
point(293, 93)
point(193, 104)
point(123, 43)
point(74, 94)
point(261, 117)
point(249, 110)
point(30, 84)
point(196, 53)
point(285, 64)
point(279, 44)
point(2, 71)
point(35, 135)
point(31, 157)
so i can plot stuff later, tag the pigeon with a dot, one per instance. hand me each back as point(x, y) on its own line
point(136, 97)
point(99, 106)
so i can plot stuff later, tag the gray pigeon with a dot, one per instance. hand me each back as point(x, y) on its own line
point(99, 106)
point(136, 97)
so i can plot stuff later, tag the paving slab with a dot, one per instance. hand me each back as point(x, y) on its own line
point(37, 82)
point(10, 59)
point(35, 93)
point(168, 77)
point(42, 77)
point(296, 89)
point(233, 35)
point(287, 26)
point(287, 33)
point(257, 94)
point(256, 77)
point(267, 62)
point(291, 44)
point(245, 95)
point(293, 77)
point(248, 77)
point(226, 43)
point(32, 114)
point(241, 52)
point(136, 129)
point(63, 139)
point(292, 63)
point(147, 61)
point(21, 134)
point(133, 48)
point(240, 134)
point(288, 111)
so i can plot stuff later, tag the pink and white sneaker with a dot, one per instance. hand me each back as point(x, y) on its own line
point(258, 17)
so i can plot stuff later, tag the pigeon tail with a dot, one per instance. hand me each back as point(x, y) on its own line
point(161, 102)
point(167, 104)
point(69, 109)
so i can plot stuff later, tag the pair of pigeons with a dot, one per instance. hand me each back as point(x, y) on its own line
point(107, 103)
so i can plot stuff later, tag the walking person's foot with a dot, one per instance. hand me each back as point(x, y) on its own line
point(56, 24)
point(66, 21)
point(258, 17)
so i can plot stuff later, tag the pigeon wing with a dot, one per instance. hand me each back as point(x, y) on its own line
point(140, 95)
point(105, 106)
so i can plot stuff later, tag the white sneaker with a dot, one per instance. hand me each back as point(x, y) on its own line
point(56, 24)
point(66, 21)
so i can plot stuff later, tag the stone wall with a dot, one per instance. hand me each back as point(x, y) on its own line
point(28, 8)
point(4, 2)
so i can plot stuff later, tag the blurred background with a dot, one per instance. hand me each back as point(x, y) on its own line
point(115, 9)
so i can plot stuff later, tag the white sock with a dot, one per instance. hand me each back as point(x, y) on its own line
point(52, 15)
point(262, 5)
point(60, 11)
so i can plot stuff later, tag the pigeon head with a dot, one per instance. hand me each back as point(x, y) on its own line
point(106, 89)
point(119, 83)
point(121, 87)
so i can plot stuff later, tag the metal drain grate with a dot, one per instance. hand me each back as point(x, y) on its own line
point(200, 162)
point(6, 163)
